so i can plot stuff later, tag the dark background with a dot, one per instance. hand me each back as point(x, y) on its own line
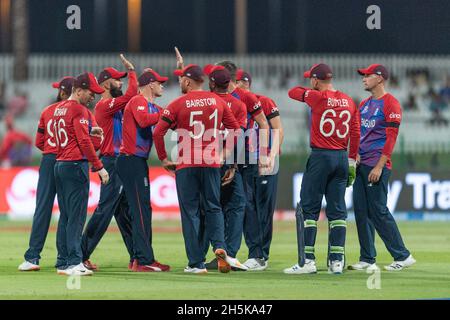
point(206, 26)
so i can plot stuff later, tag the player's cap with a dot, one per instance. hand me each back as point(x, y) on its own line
point(150, 75)
point(217, 74)
point(320, 71)
point(192, 71)
point(88, 81)
point(375, 69)
point(110, 73)
point(242, 75)
point(65, 84)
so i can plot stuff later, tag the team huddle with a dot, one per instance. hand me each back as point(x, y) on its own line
point(225, 166)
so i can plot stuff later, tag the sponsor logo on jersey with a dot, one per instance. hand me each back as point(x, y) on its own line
point(376, 111)
point(166, 112)
point(59, 112)
point(111, 104)
point(84, 121)
point(365, 110)
point(395, 116)
point(140, 108)
point(366, 123)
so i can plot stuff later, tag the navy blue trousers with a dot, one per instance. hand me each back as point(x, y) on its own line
point(45, 198)
point(232, 200)
point(266, 193)
point(326, 175)
point(72, 187)
point(112, 202)
point(198, 190)
point(372, 213)
point(133, 171)
point(252, 221)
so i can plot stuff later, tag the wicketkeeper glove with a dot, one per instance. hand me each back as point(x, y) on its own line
point(351, 172)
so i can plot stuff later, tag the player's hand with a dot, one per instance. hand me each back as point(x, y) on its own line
point(375, 174)
point(228, 176)
point(104, 176)
point(358, 159)
point(169, 165)
point(96, 132)
point(127, 64)
point(180, 63)
point(351, 172)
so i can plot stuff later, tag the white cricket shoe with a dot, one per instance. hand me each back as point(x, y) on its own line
point(336, 267)
point(255, 264)
point(195, 270)
point(308, 267)
point(362, 265)
point(78, 270)
point(28, 266)
point(400, 265)
point(235, 264)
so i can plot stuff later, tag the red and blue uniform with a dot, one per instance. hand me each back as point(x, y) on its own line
point(112, 202)
point(72, 124)
point(109, 114)
point(334, 129)
point(380, 122)
point(46, 187)
point(139, 118)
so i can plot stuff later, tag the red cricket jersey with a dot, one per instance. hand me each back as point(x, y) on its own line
point(236, 106)
point(251, 102)
point(334, 119)
point(109, 113)
point(197, 116)
point(45, 139)
point(268, 106)
point(139, 118)
point(72, 123)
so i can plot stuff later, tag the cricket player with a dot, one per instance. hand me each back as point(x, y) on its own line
point(232, 196)
point(140, 116)
point(72, 126)
point(329, 170)
point(109, 113)
point(381, 116)
point(197, 116)
point(266, 186)
point(46, 189)
point(250, 167)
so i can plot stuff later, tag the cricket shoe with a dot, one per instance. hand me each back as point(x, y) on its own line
point(400, 265)
point(336, 267)
point(154, 267)
point(132, 264)
point(255, 264)
point(236, 265)
point(362, 265)
point(222, 264)
point(28, 266)
point(90, 266)
point(77, 270)
point(308, 268)
point(212, 265)
point(195, 270)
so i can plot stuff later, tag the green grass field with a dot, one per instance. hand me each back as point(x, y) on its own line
point(429, 278)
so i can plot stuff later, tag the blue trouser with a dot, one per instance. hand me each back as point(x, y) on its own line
point(133, 171)
point(232, 200)
point(198, 189)
point(72, 187)
point(371, 212)
point(326, 175)
point(112, 202)
point(266, 191)
point(252, 220)
point(45, 197)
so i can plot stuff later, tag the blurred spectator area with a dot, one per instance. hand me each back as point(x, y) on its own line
point(420, 83)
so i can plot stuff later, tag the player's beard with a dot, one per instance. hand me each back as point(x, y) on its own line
point(115, 91)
